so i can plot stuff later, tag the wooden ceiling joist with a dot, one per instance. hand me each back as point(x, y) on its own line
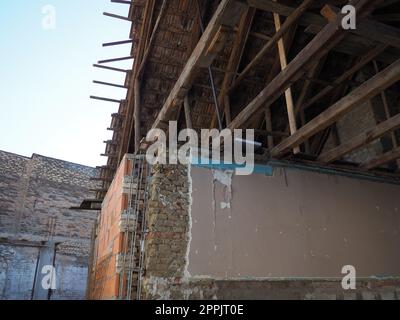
point(234, 62)
point(134, 97)
point(291, 20)
point(152, 38)
point(110, 68)
point(106, 99)
point(115, 59)
point(317, 48)
point(361, 140)
point(363, 93)
point(112, 15)
point(368, 28)
point(115, 43)
point(382, 159)
point(109, 84)
point(227, 14)
point(369, 56)
point(122, 1)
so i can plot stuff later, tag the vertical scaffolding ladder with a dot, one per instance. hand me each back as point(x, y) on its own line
point(134, 231)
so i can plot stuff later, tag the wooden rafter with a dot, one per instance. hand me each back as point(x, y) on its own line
point(227, 14)
point(283, 62)
point(233, 63)
point(188, 113)
point(345, 76)
point(368, 28)
point(321, 44)
point(134, 103)
point(361, 139)
point(363, 93)
point(290, 21)
point(382, 159)
point(386, 107)
point(152, 38)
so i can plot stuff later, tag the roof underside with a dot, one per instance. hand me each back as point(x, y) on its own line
point(330, 73)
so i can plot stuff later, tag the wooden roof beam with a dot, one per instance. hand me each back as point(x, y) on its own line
point(317, 48)
point(234, 62)
point(361, 140)
point(109, 84)
point(369, 56)
point(385, 158)
point(112, 15)
point(152, 38)
point(114, 59)
point(363, 93)
point(106, 99)
point(111, 68)
point(291, 20)
point(227, 14)
point(122, 1)
point(115, 43)
point(129, 124)
point(367, 28)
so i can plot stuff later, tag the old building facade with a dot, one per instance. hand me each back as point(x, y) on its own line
point(39, 228)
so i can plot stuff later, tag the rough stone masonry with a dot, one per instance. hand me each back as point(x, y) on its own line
point(36, 195)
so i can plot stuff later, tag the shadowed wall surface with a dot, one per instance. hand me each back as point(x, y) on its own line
point(36, 195)
point(292, 224)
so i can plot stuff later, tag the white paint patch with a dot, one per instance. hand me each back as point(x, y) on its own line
point(224, 177)
point(225, 205)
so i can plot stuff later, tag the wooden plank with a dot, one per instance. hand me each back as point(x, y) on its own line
point(363, 93)
point(385, 106)
point(387, 112)
point(115, 43)
point(112, 15)
point(383, 159)
point(288, 91)
point(106, 99)
point(152, 37)
point(136, 115)
point(228, 14)
point(369, 56)
point(109, 84)
point(321, 44)
point(291, 20)
point(129, 123)
point(233, 63)
point(369, 29)
point(257, 118)
point(314, 71)
point(111, 68)
point(188, 114)
point(114, 59)
point(268, 127)
point(361, 140)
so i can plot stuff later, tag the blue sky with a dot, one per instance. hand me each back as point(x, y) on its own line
point(46, 77)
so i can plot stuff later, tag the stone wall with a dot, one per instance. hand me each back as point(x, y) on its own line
point(168, 249)
point(36, 195)
point(168, 223)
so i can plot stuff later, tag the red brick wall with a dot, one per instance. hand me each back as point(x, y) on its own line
point(105, 284)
